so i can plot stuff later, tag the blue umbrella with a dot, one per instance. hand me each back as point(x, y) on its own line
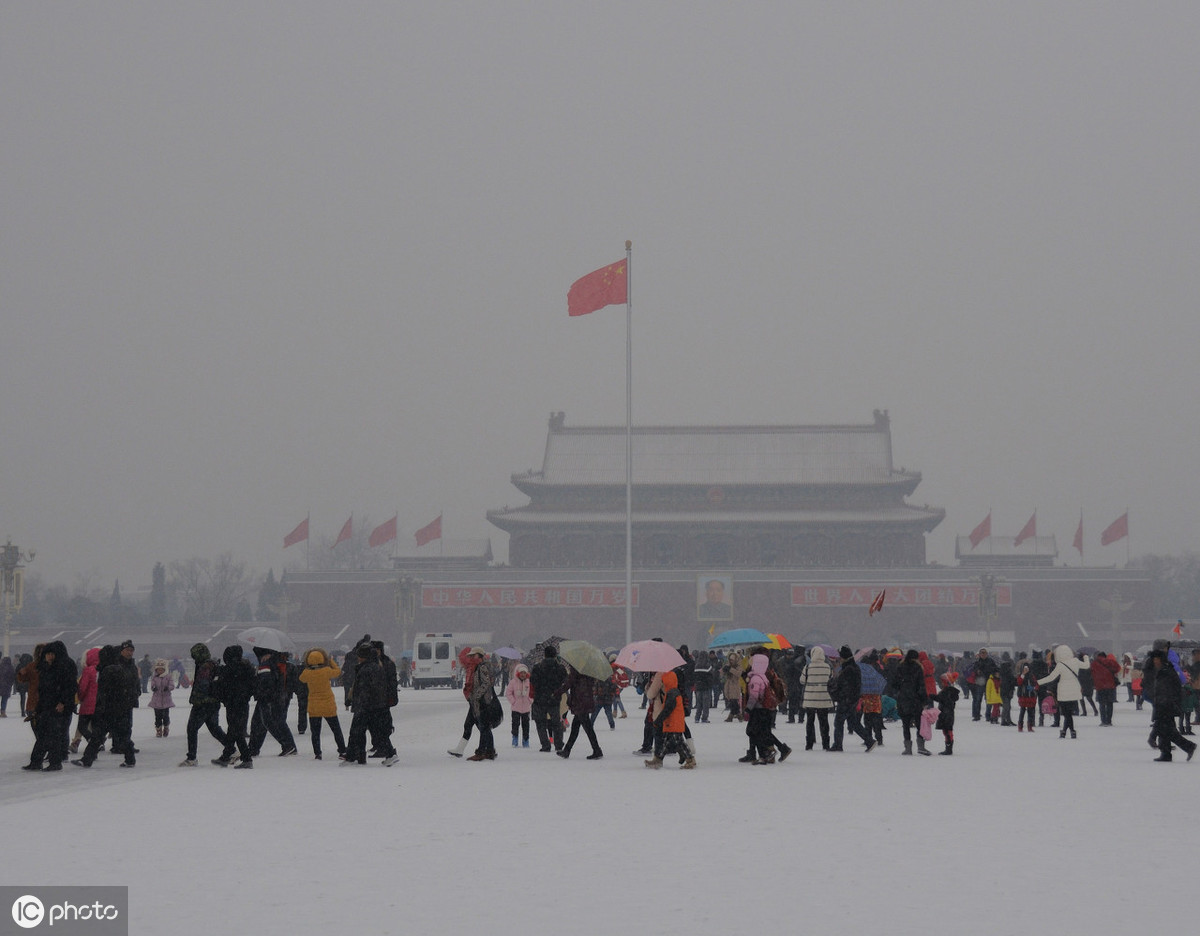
point(739, 637)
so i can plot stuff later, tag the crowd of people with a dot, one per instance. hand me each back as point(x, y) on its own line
point(759, 686)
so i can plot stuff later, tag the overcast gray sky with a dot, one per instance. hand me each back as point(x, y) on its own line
point(264, 259)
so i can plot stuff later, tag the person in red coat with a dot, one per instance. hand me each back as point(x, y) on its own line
point(1105, 670)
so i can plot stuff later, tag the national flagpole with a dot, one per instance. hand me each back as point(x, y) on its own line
point(628, 442)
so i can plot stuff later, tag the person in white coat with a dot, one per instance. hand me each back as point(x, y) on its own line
point(1066, 673)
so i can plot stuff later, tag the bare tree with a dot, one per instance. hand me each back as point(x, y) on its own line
point(350, 555)
point(210, 589)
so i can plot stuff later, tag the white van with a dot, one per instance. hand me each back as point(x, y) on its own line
point(435, 661)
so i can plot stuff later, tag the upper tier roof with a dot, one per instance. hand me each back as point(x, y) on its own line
point(720, 455)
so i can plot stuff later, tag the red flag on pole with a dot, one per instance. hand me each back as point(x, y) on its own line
point(1118, 529)
point(384, 533)
point(1078, 543)
point(298, 535)
point(607, 286)
point(877, 604)
point(347, 531)
point(1030, 529)
point(430, 532)
point(983, 531)
point(1177, 630)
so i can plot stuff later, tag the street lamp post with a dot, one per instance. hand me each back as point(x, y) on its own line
point(987, 603)
point(12, 584)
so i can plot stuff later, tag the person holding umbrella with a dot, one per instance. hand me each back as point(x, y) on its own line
point(545, 680)
point(581, 702)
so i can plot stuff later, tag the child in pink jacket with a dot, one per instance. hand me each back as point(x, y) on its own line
point(520, 701)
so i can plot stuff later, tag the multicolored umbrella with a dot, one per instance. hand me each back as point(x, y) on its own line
point(778, 642)
point(649, 656)
point(739, 637)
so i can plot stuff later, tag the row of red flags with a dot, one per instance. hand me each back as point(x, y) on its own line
point(1117, 530)
point(384, 533)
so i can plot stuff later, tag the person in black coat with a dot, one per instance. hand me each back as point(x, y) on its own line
point(846, 692)
point(910, 699)
point(946, 700)
point(371, 696)
point(1168, 706)
point(58, 682)
point(270, 704)
point(206, 706)
point(545, 680)
point(233, 684)
point(115, 700)
point(1008, 687)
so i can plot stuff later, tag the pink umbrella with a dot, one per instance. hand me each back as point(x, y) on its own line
point(649, 656)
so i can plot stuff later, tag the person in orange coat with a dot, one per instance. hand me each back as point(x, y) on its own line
point(672, 723)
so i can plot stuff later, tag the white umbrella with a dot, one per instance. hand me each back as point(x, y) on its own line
point(267, 638)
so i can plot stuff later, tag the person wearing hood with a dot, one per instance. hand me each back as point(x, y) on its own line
point(114, 709)
point(817, 700)
point(480, 691)
point(669, 725)
point(759, 712)
point(320, 670)
point(8, 677)
point(87, 698)
point(946, 700)
point(371, 709)
point(206, 706)
point(57, 686)
point(1068, 690)
point(161, 684)
point(1168, 706)
point(910, 700)
point(234, 685)
point(520, 701)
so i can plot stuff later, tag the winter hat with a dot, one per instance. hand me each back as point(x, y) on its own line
point(315, 658)
point(846, 653)
point(200, 653)
point(947, 680)
point(160, 664)
point(127, 645)
point(477, 651)
point(232, 654)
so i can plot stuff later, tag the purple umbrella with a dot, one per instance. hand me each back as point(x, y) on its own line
point(509, 653)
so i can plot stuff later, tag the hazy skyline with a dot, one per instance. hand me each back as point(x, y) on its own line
point(262, 260)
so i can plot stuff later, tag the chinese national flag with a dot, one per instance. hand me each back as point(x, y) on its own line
point(1118, 529)
point(983, 531)
point(1030, 529)
point(877, 604)
point(607, 286)
point(1177, 630)
point(298, 535)
point(1078, 543)
point(347, 531)
point(430, 532)
point(384, 533)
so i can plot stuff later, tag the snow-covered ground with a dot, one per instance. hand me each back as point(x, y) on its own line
point(1014, 832)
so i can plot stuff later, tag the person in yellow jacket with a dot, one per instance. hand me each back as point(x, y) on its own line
point(992, 697)
point(320, 669)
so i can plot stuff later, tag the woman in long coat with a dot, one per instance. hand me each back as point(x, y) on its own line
point(910, 699)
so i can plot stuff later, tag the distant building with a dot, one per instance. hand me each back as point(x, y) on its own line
point(789, 529)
